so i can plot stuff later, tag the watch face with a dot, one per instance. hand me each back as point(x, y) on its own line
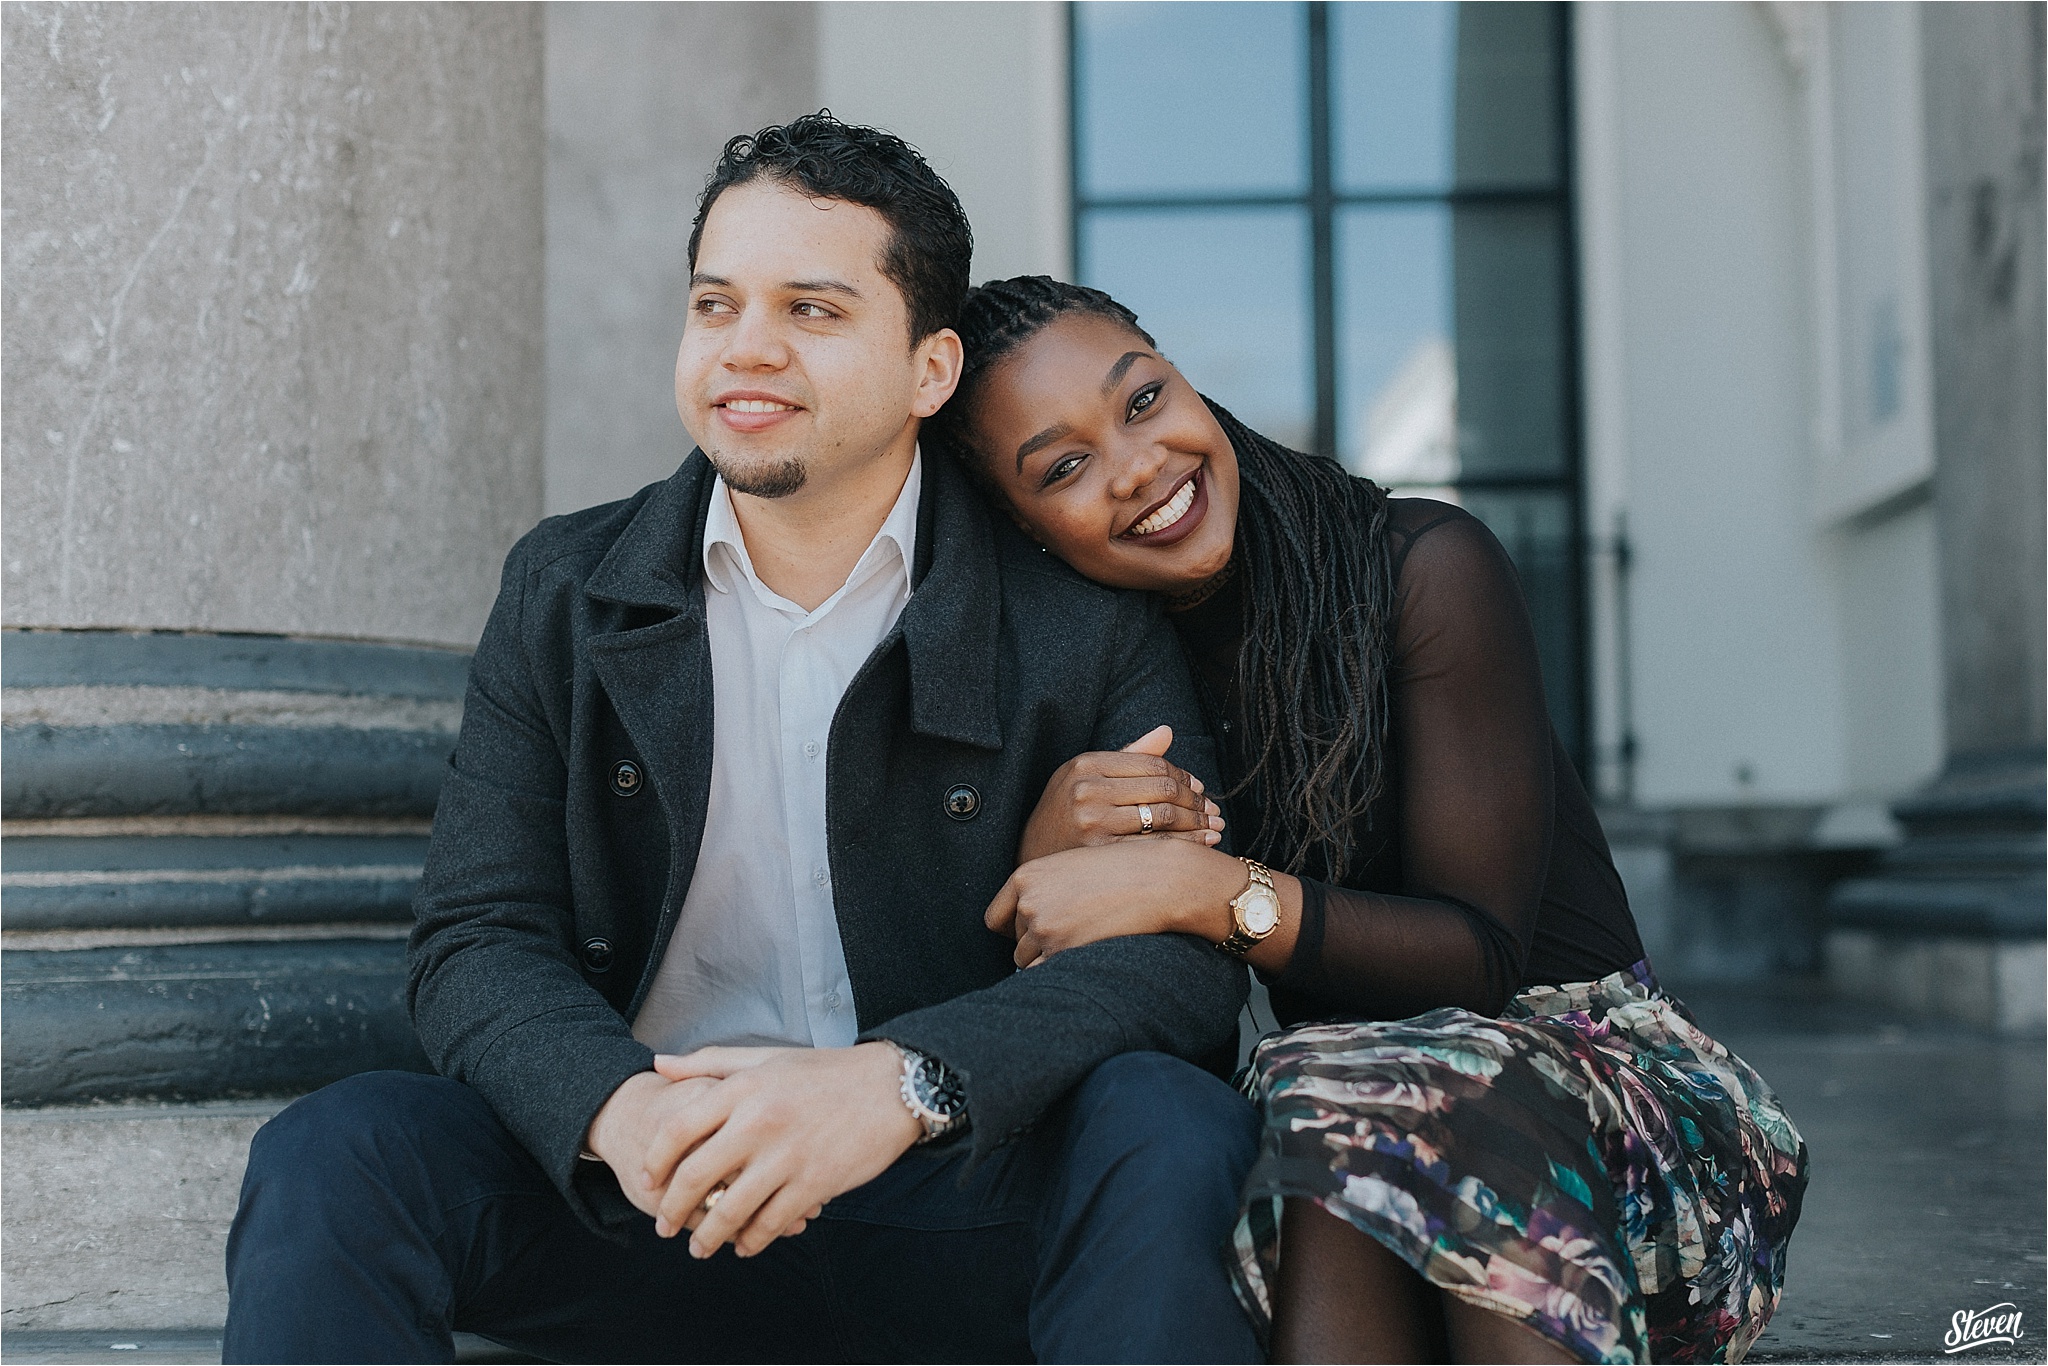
point(1259, 910)
point(938, 1089)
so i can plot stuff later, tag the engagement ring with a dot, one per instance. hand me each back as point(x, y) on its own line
point(1144, 820)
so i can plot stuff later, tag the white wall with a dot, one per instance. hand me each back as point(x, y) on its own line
point(1784, 623)
point(981, 90)
point(1700, 401)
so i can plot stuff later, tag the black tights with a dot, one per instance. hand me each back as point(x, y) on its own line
point(1343, 1297)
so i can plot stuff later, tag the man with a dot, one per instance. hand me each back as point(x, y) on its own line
point(743, 761)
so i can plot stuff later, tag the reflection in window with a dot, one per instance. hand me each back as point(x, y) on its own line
point(1509, 263)
point(1349, 224)
point(1397, 372)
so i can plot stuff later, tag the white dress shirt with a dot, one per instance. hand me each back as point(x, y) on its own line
point(756, 957)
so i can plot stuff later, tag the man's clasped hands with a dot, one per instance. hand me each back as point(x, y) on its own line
point(768, 1135)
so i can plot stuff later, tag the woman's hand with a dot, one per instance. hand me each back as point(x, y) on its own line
point(1079, 896)
point(1094, 798)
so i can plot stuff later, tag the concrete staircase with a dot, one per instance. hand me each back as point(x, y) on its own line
point(210, 846)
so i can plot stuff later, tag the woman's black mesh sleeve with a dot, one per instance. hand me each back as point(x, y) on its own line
point(1472, 749)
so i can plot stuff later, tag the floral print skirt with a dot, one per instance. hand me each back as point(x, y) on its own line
point(1590, 1164)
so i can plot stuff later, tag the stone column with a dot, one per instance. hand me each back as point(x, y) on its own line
point(1985, 223)
point(1954, 923)
point(640, 101)
point(273, 315)
point(272, 417)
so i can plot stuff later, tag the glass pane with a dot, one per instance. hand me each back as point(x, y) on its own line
point(1509, 266)
point(1430, 96)
point(1397, 379)
point(1191, 98)
point(1390, 94)
point(1226, 293)
point(1536, 529)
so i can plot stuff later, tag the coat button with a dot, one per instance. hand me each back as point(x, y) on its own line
point(597, 955)
point(963, 803)
point(626, 778)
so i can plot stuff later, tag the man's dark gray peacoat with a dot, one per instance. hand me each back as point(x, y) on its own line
point(569, 823)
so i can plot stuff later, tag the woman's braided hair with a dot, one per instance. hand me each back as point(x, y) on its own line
point(1318, 594)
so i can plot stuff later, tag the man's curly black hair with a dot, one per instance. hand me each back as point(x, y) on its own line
point(931, 247)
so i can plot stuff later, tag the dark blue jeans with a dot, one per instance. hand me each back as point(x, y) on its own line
point(385, 1213)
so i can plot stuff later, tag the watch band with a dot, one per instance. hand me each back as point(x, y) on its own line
point(1239, 941)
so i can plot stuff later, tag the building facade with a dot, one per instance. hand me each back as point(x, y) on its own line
point(1658, 291)
point(1728, 319)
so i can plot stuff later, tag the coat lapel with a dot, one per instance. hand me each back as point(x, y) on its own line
point(657, 560)
point(952, 622)
point(658, 677)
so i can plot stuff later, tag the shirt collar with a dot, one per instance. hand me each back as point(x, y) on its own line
point(895, 544)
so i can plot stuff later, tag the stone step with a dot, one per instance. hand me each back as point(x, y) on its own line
point(209, 1021)
point(179, 1346)
point(117, 1224)
point(117, 1215)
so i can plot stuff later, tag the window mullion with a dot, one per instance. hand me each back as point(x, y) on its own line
point(1322, 226)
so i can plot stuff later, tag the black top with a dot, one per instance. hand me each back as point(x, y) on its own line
point(1481, 869)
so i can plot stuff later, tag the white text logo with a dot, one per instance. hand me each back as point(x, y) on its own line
point(1982, 1327)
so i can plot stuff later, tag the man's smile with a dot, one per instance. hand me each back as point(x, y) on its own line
point(753, 411)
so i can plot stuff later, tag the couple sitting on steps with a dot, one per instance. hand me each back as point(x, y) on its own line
point(832, 943)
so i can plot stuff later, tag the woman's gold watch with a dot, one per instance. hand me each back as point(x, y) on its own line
point(1254, 912)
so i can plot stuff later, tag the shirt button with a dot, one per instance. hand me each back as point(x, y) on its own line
point(832, 1000)
point(820, 876)
point(811, 750)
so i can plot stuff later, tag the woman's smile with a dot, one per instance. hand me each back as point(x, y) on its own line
point(1175, 517)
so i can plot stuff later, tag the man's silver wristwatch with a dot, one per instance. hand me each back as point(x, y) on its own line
point(933, 1094)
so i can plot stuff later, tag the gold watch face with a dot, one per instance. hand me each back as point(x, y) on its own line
point(1258, 910)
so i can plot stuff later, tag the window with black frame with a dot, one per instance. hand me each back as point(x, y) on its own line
point(1349, 223)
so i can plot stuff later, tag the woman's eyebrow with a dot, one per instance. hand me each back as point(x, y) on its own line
point(1121, 368)
point(1056, 432)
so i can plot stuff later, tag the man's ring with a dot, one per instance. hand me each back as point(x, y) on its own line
point(713, 1196)
point(1144, 820)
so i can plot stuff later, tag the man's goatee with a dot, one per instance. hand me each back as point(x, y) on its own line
point(777, 480)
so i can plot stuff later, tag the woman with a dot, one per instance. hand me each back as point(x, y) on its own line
point(1503, 1141)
